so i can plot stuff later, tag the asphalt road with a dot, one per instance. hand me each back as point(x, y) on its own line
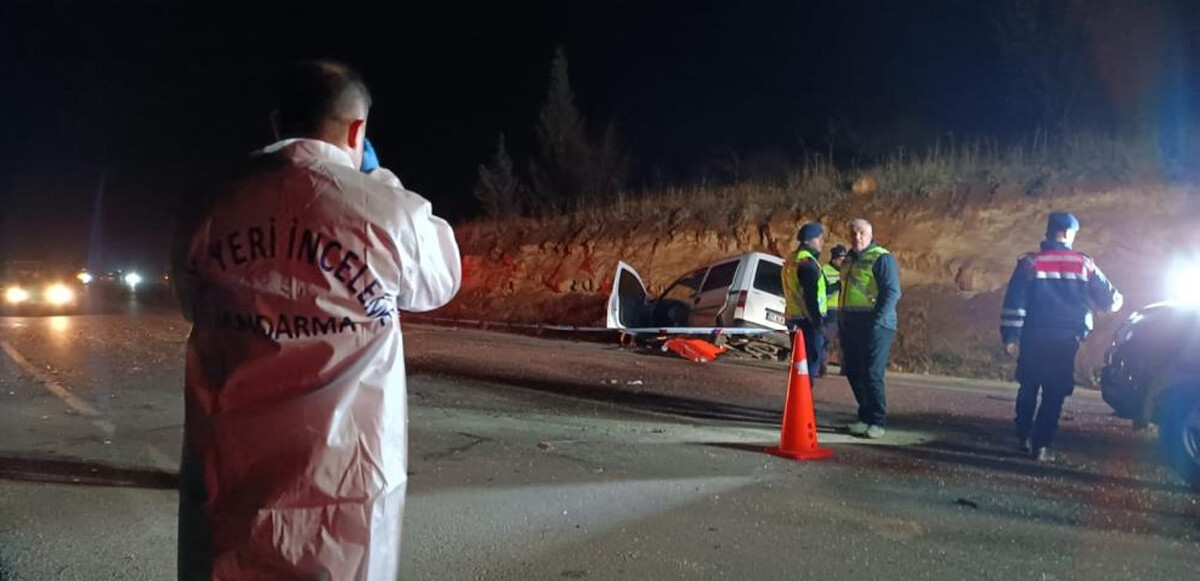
point(542, 459)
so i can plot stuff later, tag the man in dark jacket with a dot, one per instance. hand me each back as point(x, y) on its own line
point(833, 290)
point(1048, 310)
point(804, 292)
point(870, 291)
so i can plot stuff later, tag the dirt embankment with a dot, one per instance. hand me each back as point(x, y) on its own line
point(955, 249)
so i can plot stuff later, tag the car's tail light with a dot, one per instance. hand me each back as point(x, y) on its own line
point(740, 310)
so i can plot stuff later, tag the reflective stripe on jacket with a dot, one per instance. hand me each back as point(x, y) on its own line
point(1055, 288)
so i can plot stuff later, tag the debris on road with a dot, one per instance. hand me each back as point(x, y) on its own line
point(697, 350)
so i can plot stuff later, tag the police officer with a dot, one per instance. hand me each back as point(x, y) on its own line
point(804, 292)
point(1048, 310)
point(870, 291)
point(832, 272)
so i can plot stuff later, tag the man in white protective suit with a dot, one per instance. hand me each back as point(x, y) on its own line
point(293, 273)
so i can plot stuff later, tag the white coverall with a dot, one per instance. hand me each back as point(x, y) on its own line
point(295, 448)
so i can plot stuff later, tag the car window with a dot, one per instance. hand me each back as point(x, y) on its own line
point(630, 287)
point(721, 276)
point(768, 277)
point(684, 288)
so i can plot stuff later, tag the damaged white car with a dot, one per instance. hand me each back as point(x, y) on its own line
point(739, 299)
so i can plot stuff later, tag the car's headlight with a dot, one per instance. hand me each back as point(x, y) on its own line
point(85, 277)
point(1182, 282)
point(15, 295)
point(59, 294)
point(133, 279)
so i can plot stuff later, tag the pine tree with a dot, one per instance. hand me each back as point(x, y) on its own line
point(498, 188)
point(559, 172)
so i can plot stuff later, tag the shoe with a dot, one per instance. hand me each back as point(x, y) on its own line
point(1042, 454)
point(858, 428)
point(1025, 447)
point(874, 432)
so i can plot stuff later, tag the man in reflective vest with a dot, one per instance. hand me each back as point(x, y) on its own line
point(833, 289)
point(1048, 311)
point(870, 291)
point(804, 292)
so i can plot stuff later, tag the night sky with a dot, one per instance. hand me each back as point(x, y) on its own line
point(117, 109)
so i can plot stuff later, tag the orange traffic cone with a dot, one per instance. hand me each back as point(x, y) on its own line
point(798, 438)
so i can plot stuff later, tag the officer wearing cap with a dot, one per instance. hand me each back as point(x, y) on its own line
point(805, 292)
point(832, 272)
point(1048, 311)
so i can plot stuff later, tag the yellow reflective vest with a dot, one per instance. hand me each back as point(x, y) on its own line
point(859, 289)
point(793, 291)
point(833, 286)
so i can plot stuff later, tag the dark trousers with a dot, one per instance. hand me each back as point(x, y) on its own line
point(814, 343)
point(1046, 364)
point(829, 332)
point(194, 553)
point(865, 350)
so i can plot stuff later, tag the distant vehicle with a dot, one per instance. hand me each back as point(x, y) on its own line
point(1152, 375)
point(739, 292)
point(34, 287)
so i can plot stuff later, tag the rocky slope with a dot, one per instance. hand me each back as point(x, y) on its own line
point(955, 249)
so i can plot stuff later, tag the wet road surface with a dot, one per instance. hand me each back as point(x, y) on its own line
point(541, 459)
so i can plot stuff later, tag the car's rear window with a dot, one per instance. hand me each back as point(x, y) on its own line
point(768, 277)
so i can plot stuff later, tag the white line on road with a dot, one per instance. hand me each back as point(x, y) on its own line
point(53, 386)
point(161, 460)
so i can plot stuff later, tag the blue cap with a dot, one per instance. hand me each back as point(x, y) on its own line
point(809, 231)
point(1061, 221)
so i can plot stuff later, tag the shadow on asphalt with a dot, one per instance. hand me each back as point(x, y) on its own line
point(965, 456)
point(84, 474)
point(653, 402)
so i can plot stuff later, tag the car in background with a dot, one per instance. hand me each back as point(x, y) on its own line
point(744, 291)
point(1152, 375)
point(33, 287)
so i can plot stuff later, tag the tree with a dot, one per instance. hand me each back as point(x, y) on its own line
point(570, 166)
point(499, 189)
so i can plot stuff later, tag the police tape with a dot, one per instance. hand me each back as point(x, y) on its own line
point(714, 331)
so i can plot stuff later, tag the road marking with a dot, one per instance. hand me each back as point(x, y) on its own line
point(53, 386)
point(161, 460)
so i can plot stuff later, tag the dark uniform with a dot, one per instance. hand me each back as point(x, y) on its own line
point(833, 289)
point(804, 293)
point(1048, 309)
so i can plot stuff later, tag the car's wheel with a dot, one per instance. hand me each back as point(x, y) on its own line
point(1179, 434)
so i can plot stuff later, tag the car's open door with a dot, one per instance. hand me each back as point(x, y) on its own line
point(629, 304)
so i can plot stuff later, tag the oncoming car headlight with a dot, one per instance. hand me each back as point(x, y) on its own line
point(15, 295)
point(59, 294)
